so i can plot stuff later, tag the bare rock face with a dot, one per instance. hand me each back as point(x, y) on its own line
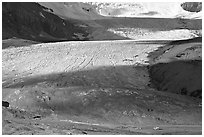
point(192, 6)
point(35, 22)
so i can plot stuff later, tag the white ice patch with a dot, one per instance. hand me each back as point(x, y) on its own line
point(145, 34)
point(77, 122)
point(83, 94)
point(42, 15)
point(17, 92)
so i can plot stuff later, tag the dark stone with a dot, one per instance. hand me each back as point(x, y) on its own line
point(84, 132)
point(184, 91)
point(37, 117)
point(150, 110)
point(196, 93)
point(5, 104)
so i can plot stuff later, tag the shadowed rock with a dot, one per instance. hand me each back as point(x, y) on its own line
point(192, 6)
point(5, 104)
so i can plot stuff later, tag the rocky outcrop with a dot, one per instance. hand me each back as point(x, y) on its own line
point(35, 22)
point(192, 6)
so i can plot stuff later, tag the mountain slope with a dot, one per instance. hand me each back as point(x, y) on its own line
point(47, 22)
point(177, 67)
point(105, 10)
point(73, 10)
point(35, 22)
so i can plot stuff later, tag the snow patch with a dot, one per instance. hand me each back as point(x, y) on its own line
point(77, 122)
point(42, 15)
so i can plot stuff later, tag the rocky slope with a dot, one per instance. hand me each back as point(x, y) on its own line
point(35, 22)
point(73, 10)
point(177, 67)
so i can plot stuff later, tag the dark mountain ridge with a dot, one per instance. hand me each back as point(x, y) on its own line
point(32, 21)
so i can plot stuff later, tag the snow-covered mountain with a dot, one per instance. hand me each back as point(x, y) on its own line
point(60, 21)
point(97, 10)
